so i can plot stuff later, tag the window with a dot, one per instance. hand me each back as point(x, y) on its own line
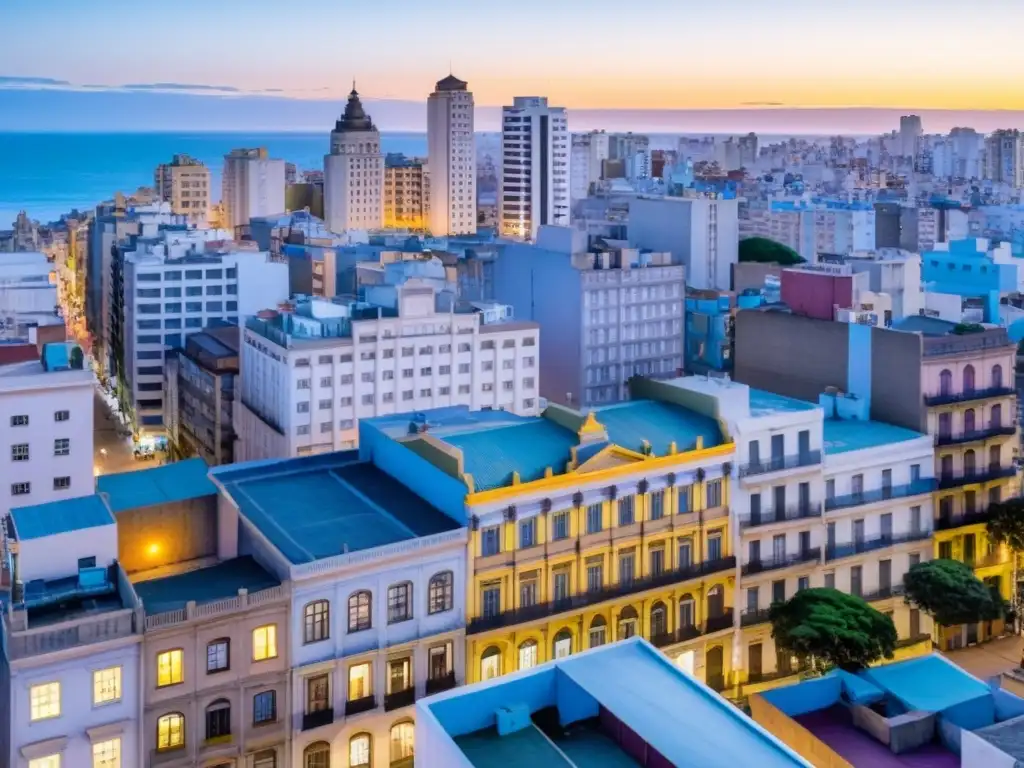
point(44, 700)
point(490, 540)
point(402, 735)
point(218, 656)
point(439, 661)
point(218, 719)
point(317, 755)
point(359, 751)
point(657, 505)
point(399, 675)
point(528, 654)
point(61, 483)
point(19, 452)
point(20, 420)
point(626, 510)
point(561, 646)
point(359, 682)
point(264, 642)
point(170, 668)
point(626, 567)
point(490, 663)
point(597, 635)
point(265, 759)
point(264, 707)
point(399, 602)
point(594, 515)
point(439, 597)
point(491, 600)
point(714, 490)
point(657, 561)
point(170, 731)
point(318, 697)
point(359, 611)
point(106, 685)
point(628, 620)
point(107, 754)
point(527, 532)
point(61, 446)
point(560, 525)
point(316, 621)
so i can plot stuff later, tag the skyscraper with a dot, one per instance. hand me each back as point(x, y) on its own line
point(1004, 153)
point(451, 158)
point(534, 167)
point(910, 132)
point(354, 172)
point(185, 184)
point(252, 185)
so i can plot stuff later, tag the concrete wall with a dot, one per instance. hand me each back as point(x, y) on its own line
point(902, 733)
point(794, 735)
point(975, 752)
point(152, 537)
point(816, 294)
point(896, 379)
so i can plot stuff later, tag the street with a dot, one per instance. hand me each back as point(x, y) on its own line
point(112, 450)
point(991, 659)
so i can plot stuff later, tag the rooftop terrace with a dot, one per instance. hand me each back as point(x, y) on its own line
point(204, 585)
point(764, 403)
point(178, 481)
point(845, 435)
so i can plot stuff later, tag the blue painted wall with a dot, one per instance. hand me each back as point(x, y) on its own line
point(1007, 705)
point(858, 368)
point(972, 714)
point(574, 703)
point(808, 696)
point(476, 709)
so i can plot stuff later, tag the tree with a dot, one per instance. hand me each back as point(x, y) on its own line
point(949, 591)
point(1006, 526)
point(829, 626)
point(765, 251)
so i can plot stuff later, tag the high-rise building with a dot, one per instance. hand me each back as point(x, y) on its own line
point(589, 151)
point(406, 192)
point(185, 184)
point(252, 185)
point(535, 167)
point(1004, 154)
point(354, 172)
point(451, 153)
point(910, 132)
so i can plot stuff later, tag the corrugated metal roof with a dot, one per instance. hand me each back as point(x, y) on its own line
point(179, 481)
point(62, 516)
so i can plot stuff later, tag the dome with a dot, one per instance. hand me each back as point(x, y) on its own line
point(354, 117)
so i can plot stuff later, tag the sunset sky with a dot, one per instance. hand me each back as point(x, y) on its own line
point(598, 54)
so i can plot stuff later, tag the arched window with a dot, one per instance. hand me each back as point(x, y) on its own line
point(562, 644)
point(997, 377)
point(266, 758)
point(399, 602)
point(716, 601)
point(440, 592)
point(946, 382)
point(170, 731)
point(628, 621)
point(402, 740)
point(316, 621)
point(968, 378)
point(969, 421)
point(687, 617)
point(359, 618)
point(659, 620)
point(490, 663)
point(317, 755)
point(528, 654)
point(970, 462)
point(218, 719)
point(598, 634)
point(360, 751)
point(995, 416)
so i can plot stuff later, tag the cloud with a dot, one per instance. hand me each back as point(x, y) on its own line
point(178, 87)
point(762, 104)
point(6, 80)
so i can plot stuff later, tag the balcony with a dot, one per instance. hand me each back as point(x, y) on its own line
point(851, 500)
point(796, 512)
point(974, 435)
point(989, 560)
point(780, 464)
point(948, 522)
point(438, 684)
point(399, 699)
point(767, 677)
point(972, 476)
point(358, 706)
point(718, 623)
point(920, 637)
point(751, 617)
point(837, 551)
point(947, 398)
point(811, 555)
point(312, 720)
point(882, 593)
point(542, 610)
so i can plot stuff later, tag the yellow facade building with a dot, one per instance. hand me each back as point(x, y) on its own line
point(406, 193)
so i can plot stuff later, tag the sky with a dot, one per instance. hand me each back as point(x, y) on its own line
point(581, 54)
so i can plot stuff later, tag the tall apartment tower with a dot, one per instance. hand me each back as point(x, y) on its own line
point(1004, 157)
point(252, 185)
point(185, 184)
point(534, 167)
point(354, 172)
point(910, 132)
point(451, 157)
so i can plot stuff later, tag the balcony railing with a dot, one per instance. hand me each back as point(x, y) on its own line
point(977, 475)
point(812, 554)
point(781, 463)
point(947, 522)
point(795, 512)
point(988, 560)
point(718, 623)
point(356, 706)
point(973, 435)
point(837, 551)
point(945, 398)
point(750, 617)
point(541, 610)
point(398, 699)
point(920, 637)
point(438, 684)
point(882, 593)
point(316, 719)
point(926, 485)
point(779, 674)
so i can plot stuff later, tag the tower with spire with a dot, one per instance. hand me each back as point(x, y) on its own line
point(451, 158)
point(354, 171)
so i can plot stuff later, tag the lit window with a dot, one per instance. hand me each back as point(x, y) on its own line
point(264, 642)
point(50, 761)
point(401, 741)
point(45, 701)
point(106, 685)
point(170, 731)
point(359, 750)
point(107, 754)
point(359, 682)
point(169, 668)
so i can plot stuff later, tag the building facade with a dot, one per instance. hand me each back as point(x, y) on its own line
point(1004, 157)
point(185, 184)
point(406, 192)
point(451, 152)
point(354, 172)
point(252, 184)
point(586, 167)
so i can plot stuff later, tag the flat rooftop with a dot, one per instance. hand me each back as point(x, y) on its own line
point(844, 435)
point(329, 504)
point(178, 481)
point(63, 516)
point(204, 585)
point(764, 403)
point(1007, 736)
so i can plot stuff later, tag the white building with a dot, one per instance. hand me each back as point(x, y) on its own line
point(534, 167)
point(28, 286)
point(309, 375)
point(910, 132)
point(701, 233)
point(46, 416)
point(175, 284)
point(252, 185)
point(354, 172)
point(1004, 151)
point(378, 600)
point(72, 638)
point(589, 151)
point(451, 156)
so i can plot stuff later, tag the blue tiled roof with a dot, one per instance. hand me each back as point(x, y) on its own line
point(842, 435)
point(204, 585)
point(179, 481)
point(61, 516)
point(660, 424)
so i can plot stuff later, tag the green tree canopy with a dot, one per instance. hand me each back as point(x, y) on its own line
point(830, 626)
point(765, 251)
point(950, 592)
point(1006, 525)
